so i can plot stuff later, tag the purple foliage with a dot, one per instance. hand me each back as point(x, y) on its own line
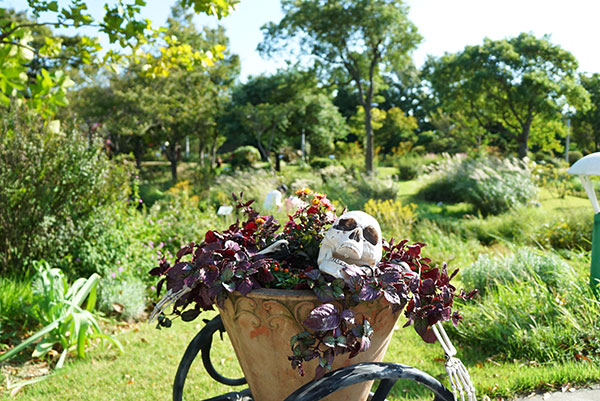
point(228, 261)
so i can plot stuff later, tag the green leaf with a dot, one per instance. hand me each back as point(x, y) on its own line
point(82, 337)
point(52, 326)
point(109, 338)
point(61, 360)
point(43, 347)
point(86, 289)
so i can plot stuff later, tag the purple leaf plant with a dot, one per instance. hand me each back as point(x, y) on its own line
point(230, 261)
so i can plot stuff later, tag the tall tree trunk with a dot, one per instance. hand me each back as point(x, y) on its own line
point(264, 153)
point(201, 152)
point(524, 138)
point(213, 151)
point(369, 138)
point(137, 152)
point(171, 152)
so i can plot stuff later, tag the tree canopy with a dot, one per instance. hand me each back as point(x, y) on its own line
point(509, 87)
point(122, 24)
point(349, 40)
point(270, 112)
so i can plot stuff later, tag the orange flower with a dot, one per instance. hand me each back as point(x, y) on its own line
point(260, 220)
point(303, 191)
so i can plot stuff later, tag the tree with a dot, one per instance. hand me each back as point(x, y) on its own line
point(586, 123)
point(270, 112)
point(506, 86)
point(122, 24)
point(353, 39)
point(136, 108)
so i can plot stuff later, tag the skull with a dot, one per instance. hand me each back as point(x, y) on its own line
point(354, 239)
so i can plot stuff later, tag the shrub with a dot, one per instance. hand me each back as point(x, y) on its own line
point(394, 218)
point(125, 242)
point(555, 179)
point(487, 271)
point(125, 298)
point(407, 168)
point(491, 185)
point(52, 182)
point(59, 307)
point(571, 231)
point(254, 185)
point(350, 155)
point(244, 157)
point(534, 308)
point(374, 187)
point(322, 162)
point(574, 155)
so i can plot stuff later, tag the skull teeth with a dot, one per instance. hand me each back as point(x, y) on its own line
point(339, 262)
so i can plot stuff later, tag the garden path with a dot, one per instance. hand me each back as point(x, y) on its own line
point(582, 394)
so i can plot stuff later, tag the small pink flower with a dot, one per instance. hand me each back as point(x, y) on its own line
point(140, 201)
point(113, 275)
point(120, 269)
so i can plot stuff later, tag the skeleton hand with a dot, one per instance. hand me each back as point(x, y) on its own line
point(169, 298)
point(460, 381)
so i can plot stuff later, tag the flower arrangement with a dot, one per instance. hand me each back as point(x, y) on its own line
point(205, 274)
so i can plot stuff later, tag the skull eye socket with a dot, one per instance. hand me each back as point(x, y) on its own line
point(371, 235)
point(346, 224)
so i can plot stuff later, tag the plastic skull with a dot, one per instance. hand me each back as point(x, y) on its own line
point(355, 238)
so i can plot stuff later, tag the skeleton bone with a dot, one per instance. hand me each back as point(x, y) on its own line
point(460, 381)
point(277, 246)
point(355, 239)
point(169, 298)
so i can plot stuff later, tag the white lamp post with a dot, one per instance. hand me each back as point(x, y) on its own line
point(584, 168)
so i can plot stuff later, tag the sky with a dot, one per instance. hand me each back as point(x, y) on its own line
point(446, 26)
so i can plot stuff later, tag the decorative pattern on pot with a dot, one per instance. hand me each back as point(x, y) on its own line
point(260, 325)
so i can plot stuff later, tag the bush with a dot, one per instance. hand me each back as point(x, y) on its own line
point(244, 156)
point(555, 179)
point(491, 185)
point(255, 185)
point(571, 231)
point(124, 243)
point(574, 155)
point(52, 181)
point(125, 298)
point(407, 168)
point(394, 218)
point(488, 272)
point(373, 187)
point(322, 162)
point(534, 308)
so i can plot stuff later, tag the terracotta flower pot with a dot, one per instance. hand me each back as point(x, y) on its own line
point(261, 324)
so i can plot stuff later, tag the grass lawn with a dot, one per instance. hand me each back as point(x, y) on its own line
point(146, 369)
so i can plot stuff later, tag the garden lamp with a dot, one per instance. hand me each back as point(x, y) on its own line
point(584, 168)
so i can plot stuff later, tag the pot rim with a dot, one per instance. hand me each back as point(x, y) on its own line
point(276, 293)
